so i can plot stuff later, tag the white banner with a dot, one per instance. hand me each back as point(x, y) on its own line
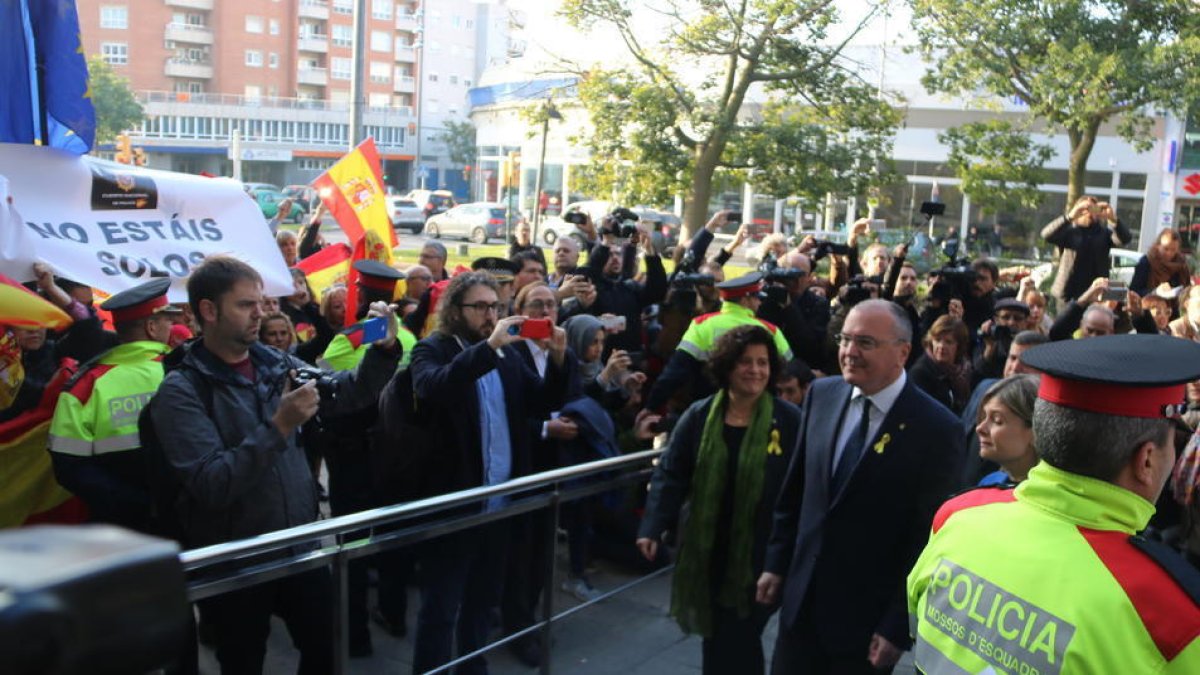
point(113, 226)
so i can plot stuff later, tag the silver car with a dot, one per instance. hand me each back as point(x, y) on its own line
point(478, 221)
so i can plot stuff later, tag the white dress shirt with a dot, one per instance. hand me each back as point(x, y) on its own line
point(881, 404)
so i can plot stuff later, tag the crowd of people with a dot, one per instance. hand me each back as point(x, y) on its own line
point(815, 413)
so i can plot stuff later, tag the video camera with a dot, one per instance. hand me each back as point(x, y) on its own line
point(621, 223)
point(575, 218)
point(855, 291)
point(955, 280)
point(825, 248)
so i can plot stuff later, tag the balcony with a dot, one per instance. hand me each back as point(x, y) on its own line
point(186, 32)
point(406, 53)
point(313, 43)
point(192, 4)
point(406, 22)
point(202, 70)
point(314, 9)
point(404, 84)
point(315, 76)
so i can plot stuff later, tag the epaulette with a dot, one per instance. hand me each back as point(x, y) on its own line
point(1176, 566)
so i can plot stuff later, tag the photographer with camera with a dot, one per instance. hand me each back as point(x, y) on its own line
point(1105, 308)
point(997, 334)
point(226, 418)
point(1084, 237)
point(608, 292)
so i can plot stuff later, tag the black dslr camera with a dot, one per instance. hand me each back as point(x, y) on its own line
point(326, 385)
point(953, 281)
point(575, 218)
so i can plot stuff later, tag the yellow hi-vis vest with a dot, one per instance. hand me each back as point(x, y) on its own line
point(1048, 579)
point(347, 348)
point(701, 336)
point(98, 413)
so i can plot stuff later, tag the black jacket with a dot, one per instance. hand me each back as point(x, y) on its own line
point(624, 297)
point(932, 380)
point(1084, 253)
point(238, 477)
point(444, 376)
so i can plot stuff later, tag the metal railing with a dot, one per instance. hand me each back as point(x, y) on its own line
point(231, 566)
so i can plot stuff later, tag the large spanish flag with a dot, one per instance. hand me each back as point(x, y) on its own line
point(353, 192)
point(326, 268)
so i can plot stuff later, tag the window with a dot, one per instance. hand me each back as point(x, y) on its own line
point(274, 26)
point(381, 73)
point(433, 105)
point(314, 164)
point(112, 16)
point(343, 35)
point(379, 100)
point(272, 60)
point(453, 79)
point(115, 53)
point(466, 83)
point(340, 68)
point(382, 9)
point(254, 58)
point(456, 21)
point(381, 41)
point(253, 91)
point(470, 23)
point(343, 6)
point(433, 77)
point(254, 24)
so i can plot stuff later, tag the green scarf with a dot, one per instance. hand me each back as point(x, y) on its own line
point(691, 590)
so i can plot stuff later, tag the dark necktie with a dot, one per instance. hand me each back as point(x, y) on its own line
point(852, 449)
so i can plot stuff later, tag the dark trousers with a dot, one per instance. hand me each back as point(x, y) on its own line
point(527, 565)
point(736, 643)
point(350, 492)
point(241, 621)
point(462, 578)
point(799, 651)
point(577, 521)
point(395, 568)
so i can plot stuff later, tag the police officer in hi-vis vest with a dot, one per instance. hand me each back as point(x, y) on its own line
point(94, 442)
point(1052, 577)
point(740, 299)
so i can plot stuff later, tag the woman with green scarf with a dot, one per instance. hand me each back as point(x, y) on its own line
point(726, 458)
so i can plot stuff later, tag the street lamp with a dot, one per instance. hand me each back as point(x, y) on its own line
point(549, 112)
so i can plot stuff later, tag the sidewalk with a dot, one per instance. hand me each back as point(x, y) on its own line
point(628, 634)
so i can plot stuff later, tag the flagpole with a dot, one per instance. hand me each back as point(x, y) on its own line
point(35, 82)
point(356, 80)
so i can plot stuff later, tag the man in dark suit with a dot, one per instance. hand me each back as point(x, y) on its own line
point(876, 457)
point(478, 395)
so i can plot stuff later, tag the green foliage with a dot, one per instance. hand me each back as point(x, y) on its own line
point(116, 108)
point(1000, 165)
point(459, 138)
point(681, 113)
point(1077, 64)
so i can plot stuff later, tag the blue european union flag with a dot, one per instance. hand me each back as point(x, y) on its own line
point(43, 72)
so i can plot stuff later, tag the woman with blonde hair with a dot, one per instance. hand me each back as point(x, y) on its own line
point(1005, 428)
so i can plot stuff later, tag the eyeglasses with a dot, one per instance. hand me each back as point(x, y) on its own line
point(483, 307)
point(541, 305)
point(864, 343)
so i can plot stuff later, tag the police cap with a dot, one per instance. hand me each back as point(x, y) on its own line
point(1126, 375)
point(749, 284)
point(502, 269)
point(376, 275)
point(141, 301)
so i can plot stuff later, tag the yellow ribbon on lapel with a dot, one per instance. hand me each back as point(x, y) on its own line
point(882, 443)
point(774, 448)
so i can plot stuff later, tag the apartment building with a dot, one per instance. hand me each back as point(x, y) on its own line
point(279, 71)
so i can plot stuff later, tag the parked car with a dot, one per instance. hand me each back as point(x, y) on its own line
point(478, 221)
point(268, 203)
point(406, 214)
point(665, 223)
point(1122, 263)
point(251, 188)
point(432, 202)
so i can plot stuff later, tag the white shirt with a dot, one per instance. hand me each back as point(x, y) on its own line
point(539, 357)
point(881, 404)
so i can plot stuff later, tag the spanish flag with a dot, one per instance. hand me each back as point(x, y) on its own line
point(353, 192)
point(370, 247)
point(326, 268)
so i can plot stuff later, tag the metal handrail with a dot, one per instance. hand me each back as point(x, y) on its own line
point(313, 532)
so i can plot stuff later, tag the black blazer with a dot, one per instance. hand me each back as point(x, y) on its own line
point(444, 376)
point(671, 484)
point(848, 554)
point(544, 453)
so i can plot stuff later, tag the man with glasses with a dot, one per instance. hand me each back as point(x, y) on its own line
point(809, 344)
point(875, 459)
point(433, 256)
point(477, 393)
point(418, 279)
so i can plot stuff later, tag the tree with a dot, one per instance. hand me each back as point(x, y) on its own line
point(1000, 168)
point(1077, 64)
point(459, 138)
point(748, 86)
point(117, 110)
